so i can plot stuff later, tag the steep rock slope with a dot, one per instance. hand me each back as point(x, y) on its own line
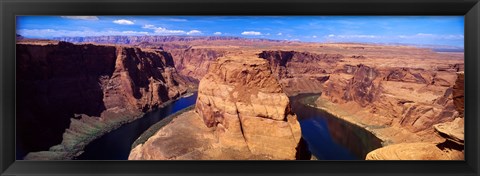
point(193, 62)
point(452, 148)
point(87, 84)
point(301, 72)
point(403, 106)
point(407, 97)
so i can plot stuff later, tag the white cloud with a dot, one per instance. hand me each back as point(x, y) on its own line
point(81, 17)
point(194, 32)
point(314, 36)
point(177, 19)
point(149, 26)
point(251, 33)
point(217, 33)
point(135, 32)
point(123, 22)
point(279, 33)
point(165, 31)
point(432, 36)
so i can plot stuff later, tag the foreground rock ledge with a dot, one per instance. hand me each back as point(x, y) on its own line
point(241, 113)
point(414, 151)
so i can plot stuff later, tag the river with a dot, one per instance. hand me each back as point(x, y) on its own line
point(116, 145)
point(328, 138)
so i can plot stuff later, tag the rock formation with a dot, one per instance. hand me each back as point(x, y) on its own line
point(414, 151)
point(243, 98)
point(459, 93)
point(451, 148)
point(243, 107)
point(194, 62)
point(301, 72)
point(60, 83)
point(410, 97)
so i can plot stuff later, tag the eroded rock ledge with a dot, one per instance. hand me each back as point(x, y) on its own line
point(244, 115)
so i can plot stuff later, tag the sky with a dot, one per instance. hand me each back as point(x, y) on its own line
point(419, 30)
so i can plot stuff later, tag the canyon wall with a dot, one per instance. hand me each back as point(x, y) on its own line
point(193, 62)
point(453, 133)
point(301, 72)
point(413, 98)
point(415, 110)
point(60, 83)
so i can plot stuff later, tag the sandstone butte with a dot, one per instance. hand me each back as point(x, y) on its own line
point(241, 113)
point(70, 94)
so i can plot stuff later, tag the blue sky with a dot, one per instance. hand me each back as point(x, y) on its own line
point(438, 30)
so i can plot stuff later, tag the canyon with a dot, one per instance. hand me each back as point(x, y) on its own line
point(410, 98)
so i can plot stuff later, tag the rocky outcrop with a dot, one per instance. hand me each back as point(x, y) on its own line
point(451, 148)
point(411, 75)
point(414, 151)
point(244, 102)
point(243, 108)
point(453, 131)
point(408, 97)
point(301, 72)
point(361, 88)
point(194, 62)
point(57, 84)
point(459, 93)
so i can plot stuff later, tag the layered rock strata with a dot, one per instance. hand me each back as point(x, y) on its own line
point(194, 62)
point(301, 72)
point(405, 106)
point(450, 130)
point(244, 114)
point(83, 87)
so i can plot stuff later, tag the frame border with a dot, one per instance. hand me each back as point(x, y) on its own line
point(9, 9)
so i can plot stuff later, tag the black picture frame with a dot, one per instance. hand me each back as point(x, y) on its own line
point(9, 9)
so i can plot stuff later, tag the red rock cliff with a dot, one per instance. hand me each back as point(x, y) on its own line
point(194, 62)
point(55, 82)
point(301, 72)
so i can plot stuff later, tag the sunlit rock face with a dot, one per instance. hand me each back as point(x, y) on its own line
point(243, 101)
